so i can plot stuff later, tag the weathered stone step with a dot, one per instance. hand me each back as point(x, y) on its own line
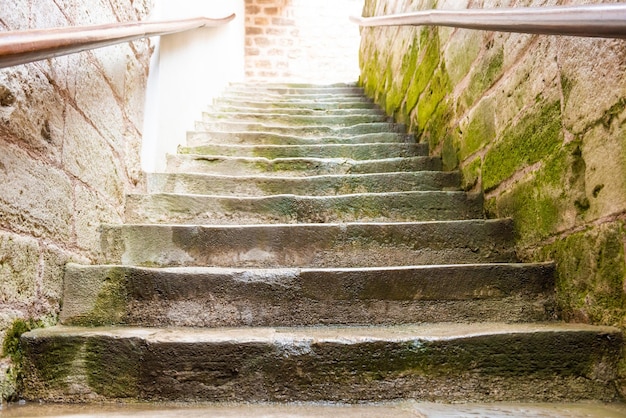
point(310, 245)
point(295, 98)
point(328, 185)
point(295, 120)
point(287, 209)
point(303, 130)
point(214, 297)
point(196, 138)
point(296, 111)
point(301, 104)
point(372, 151)
point(214, 164)
point(435, 362)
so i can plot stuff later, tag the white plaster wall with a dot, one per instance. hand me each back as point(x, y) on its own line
point(187, 71)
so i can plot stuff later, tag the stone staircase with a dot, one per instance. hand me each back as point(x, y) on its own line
point(302, 247)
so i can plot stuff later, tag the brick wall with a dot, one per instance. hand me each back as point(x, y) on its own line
point(538, 123)
point(70, 131)
point(302, 40)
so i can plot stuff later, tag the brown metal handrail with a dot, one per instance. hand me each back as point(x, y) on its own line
point(591, 20)
point(20, 47)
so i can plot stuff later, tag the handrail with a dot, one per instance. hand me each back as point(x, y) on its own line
point(20, 47)
point(591, 20)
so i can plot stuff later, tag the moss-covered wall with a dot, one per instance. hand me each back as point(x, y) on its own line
point(70, 132)
point(538, 123)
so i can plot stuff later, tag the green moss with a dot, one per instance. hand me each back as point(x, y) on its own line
point(111, 304)
point(429, 101)
point(566, 86)
point(486, 72)
point(462, 53)
point(449, 152)
point(480, 130)
point(533, 138)
point(591, 270)
point(425, 67)
point(113, 367)
point(471, 173)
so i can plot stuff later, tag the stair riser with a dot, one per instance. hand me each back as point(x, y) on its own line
point(515, 367)
point(296, 167)
point(354, 152)
point(281, 209)
point(256, 138)
point(296, 98)
point(295, 111)
point(297, 90)
point(317, 245)
point(304, 131)
point(292, 297)
point(312, 186)
point(295, 120)
point(296, 105)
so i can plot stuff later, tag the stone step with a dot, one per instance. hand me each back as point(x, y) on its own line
point(301, 104)
point(310, 245)
point(301, 167)
point(373, 151)
point(328, 185)
point(166, 208)
point(436, 362)
point(222, 297)
point(296, 111)
point(295, 98)
point(303, 130)
point(196, 138)
point(292, 120)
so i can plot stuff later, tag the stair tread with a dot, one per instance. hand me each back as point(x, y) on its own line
point(328, 334)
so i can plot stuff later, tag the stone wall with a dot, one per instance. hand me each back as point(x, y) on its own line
point(70, 131)
point(302, 40)
point(536, 122)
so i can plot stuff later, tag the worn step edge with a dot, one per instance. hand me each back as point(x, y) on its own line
point(370, 151)
point(310, 245)
point(225, 108)
point(443, 361)
point(202, 296)
point(297, 105)
point(283, 209)
point(297, 166)
point(325, 185)
point(196, 138)
point(302, 130)
point(293, 120)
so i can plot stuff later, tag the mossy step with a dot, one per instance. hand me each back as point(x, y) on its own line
point(293, 120)
point(328, 185)
point(295, 111)
point(196, 138)
point(212, 164)
point(302, 130)
point(286, 209)
point(222, 297)
point(435, 362)
point(372, 151)
point(310, 245)
point(300, 104)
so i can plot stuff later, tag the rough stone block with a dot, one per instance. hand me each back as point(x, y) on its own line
point(19, 265)
point(36, 198)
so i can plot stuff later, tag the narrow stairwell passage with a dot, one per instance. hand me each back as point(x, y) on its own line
point(302, 247)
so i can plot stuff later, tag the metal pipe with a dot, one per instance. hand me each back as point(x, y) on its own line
point(591, 20)
point(20, 47)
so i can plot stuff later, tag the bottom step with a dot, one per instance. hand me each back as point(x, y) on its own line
point(435, 362)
